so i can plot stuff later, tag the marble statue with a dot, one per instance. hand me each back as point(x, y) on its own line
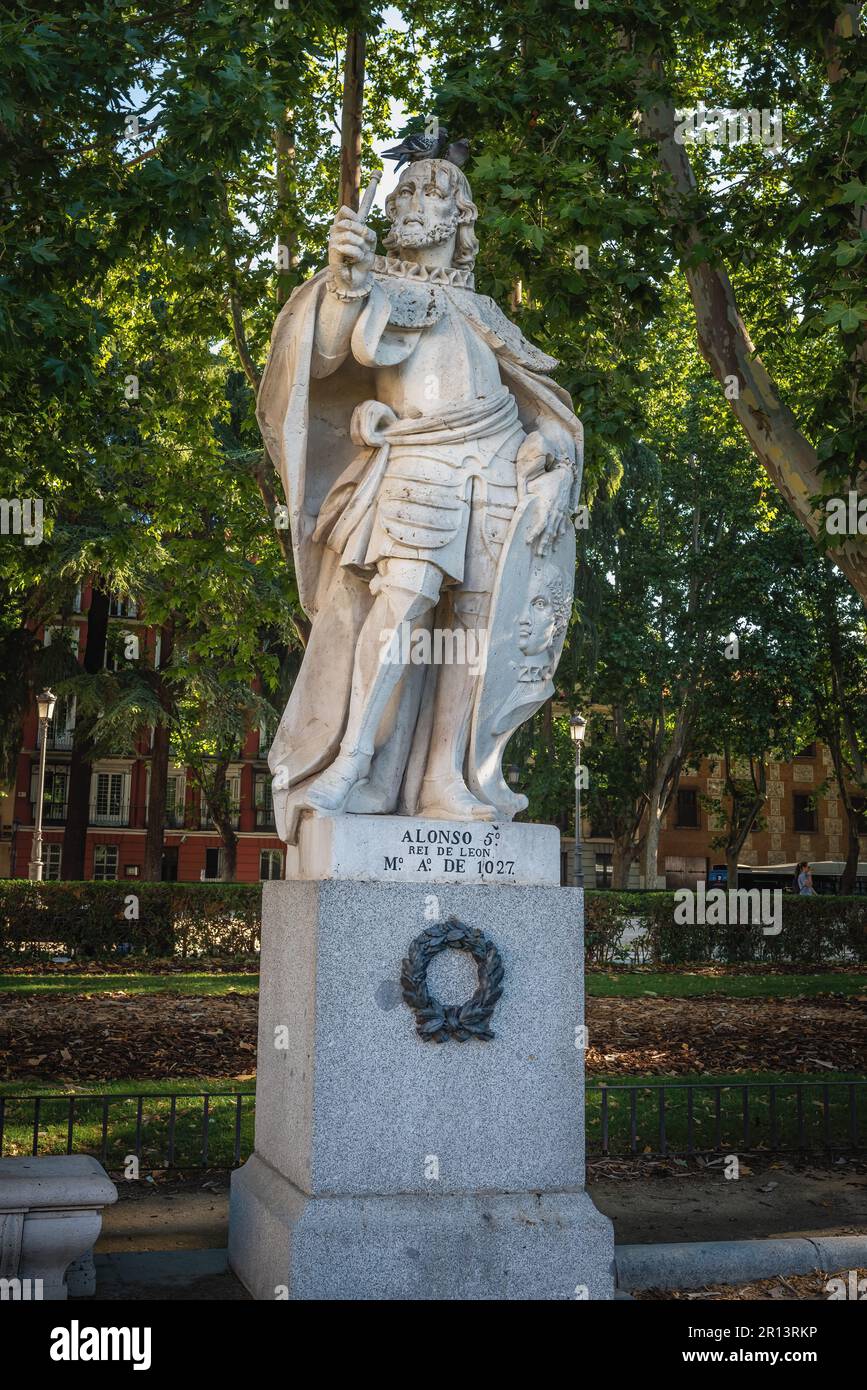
point(432, 470)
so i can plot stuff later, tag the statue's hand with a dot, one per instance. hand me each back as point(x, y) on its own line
point(351, 250)
point(553, 491)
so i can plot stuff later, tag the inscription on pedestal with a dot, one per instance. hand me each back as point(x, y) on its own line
point(458, 852)
point(401, 849)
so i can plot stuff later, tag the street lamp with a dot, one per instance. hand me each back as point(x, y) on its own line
point(514, 775)
point(45, 706)
point(577, 729)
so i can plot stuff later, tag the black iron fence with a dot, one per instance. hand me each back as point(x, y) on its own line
point(673, 1118)
point(180, 1129)
point(185, 1129)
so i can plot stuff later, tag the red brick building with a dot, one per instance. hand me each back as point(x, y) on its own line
point(117, 818)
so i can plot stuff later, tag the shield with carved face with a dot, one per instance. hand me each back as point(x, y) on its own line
point(528, 623)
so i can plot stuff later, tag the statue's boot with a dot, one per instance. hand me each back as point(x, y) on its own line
point(327, 794)
point(451, 800)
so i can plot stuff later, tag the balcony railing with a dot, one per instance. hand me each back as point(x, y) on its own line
point(59, 740)
point(174, 820)
point(109, 816)
point(207, 822)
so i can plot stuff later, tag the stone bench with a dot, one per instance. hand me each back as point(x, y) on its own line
point(50, 1216)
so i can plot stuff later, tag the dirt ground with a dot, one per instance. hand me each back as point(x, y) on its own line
point(646, 1200)
point(82, 1038)
point(640, 1037)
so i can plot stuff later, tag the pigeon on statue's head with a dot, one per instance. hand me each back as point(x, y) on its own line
point(458, 153)
point(416, 147)
point(423, 146)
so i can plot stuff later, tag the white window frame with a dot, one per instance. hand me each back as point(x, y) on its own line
point(53, 855)
point(265, 878)
point(108, 817)
point(206, 878)
point(105, 851)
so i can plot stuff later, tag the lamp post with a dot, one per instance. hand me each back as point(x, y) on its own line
point(45, 705)
point(577, 729)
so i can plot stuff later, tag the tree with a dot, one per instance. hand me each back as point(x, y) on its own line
point(574, 118)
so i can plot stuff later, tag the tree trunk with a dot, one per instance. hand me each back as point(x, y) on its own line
point(350, 124)
point(663, 789)
point(770, 426)
point(156, 827)
point(732, 867)
point(230, 846)
point(622, 859)
point(78, 797)
point(853, 849)
point(214, 794)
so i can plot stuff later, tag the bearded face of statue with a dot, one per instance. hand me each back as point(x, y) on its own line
point(424, 210)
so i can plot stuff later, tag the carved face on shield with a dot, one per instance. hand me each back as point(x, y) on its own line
point(546, 614)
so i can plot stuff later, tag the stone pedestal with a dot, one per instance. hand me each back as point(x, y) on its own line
point(387, 1167)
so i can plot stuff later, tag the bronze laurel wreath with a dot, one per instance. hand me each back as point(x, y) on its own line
point(436, 1022)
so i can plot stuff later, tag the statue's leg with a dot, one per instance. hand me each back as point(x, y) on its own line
point(406, 592)
point(444, 793)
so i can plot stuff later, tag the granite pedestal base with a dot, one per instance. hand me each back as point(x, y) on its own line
point(515, 1245)
point(386, 1166)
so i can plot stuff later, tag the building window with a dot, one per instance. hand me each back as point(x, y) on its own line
point(51, 869)
point(105, 861)
point(61, 726)
point(859, 806)
point(175, 800)
point(213, 864)
point(808, 751)
point(55, 793)
point(121, 647)
point(122, 607)
point(805, 813)
point(270, 863)
point(687, 809)
point(263, 801)
point(233, 793)
point(110, 803)
point(604, 868)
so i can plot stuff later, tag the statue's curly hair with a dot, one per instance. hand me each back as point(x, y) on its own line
point(561, 599)
point(466, 245)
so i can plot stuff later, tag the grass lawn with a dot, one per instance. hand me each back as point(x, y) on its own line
point(186, 983)
point(693, 984)
point(731, 1113)
point(615, 984)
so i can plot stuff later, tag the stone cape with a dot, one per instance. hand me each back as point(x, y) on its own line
point(306, 425)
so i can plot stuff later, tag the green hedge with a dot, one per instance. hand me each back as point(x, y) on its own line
point(222, 919)
point(813, 930)
point(141, 919)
